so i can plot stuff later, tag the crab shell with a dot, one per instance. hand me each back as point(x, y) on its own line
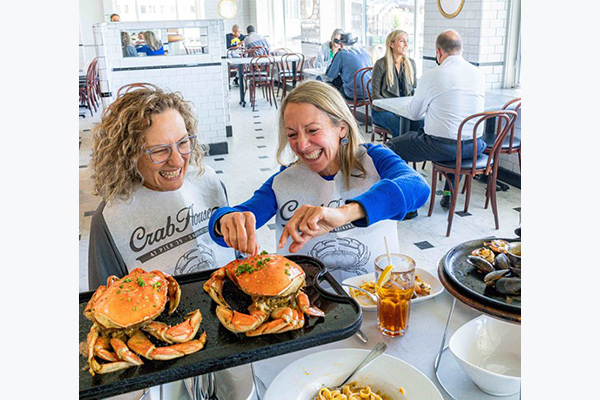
point(274, 275)
point(131, 301)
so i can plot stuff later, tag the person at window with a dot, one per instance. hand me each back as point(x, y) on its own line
point(349, 59)
point(446, 95)
point(394, 75)
point(234, 38)
point(337, 196)
point(157, 196)
point(127, 46)
point(255, 40)
point(152, 46)
point(115, 18)
point(329, 49)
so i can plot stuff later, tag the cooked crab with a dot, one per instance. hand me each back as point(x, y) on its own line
point(497, 245)
point(274, 284)
point(485, 253)
point(123, 308)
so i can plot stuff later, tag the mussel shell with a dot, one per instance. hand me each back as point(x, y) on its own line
point(492, 277)
point(502, 261)
point(481, 264)
point(509, 285)
point(516, 270)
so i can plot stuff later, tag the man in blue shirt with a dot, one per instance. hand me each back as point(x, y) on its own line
point(346, 62)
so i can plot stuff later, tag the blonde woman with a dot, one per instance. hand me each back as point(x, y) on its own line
point(335, 198)
point(157, 196)
point(153, 46)
point(394, 75)
point(329, 49)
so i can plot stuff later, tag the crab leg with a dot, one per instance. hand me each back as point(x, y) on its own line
point(179, 333)
point(96, 368)
point(140, 343)
point(239, 322)
point(285, 319)
point(102, 350)
point(214, 286)
point(124, 353)
point(305, 306)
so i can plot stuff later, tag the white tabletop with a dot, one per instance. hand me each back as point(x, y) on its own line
point(314, 73)
point(398, 105)
point(418, 347)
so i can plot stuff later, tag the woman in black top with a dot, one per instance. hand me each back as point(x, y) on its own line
point(394, 75)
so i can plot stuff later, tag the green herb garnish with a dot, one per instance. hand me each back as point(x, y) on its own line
point(140, 281)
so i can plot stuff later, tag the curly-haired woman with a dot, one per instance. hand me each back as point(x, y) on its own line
point(157, 197)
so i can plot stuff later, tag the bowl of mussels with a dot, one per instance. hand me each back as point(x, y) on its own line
point(499, 265)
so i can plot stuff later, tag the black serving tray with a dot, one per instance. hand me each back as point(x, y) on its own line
point(224, 349)
point(470, 282)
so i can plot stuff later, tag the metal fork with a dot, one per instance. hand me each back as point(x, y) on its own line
point(259, 385)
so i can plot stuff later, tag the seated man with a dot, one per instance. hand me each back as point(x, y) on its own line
point(255, 40)
point(349, 59)
point(234, 38)
point(446, 95)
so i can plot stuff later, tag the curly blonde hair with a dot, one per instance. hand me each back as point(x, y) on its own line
point(329, 100)
point(119, 138)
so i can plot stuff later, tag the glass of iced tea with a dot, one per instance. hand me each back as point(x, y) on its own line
point(394, 293)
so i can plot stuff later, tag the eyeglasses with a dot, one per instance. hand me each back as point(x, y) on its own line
point(161, 153)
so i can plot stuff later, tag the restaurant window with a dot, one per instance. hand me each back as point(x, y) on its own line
point(159, 10)
point(292, 21)
point(383, 16)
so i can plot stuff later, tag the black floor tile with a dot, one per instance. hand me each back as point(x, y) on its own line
point(265, 169)
point(424, 245)
point(219, 172)
point(262, 146)
point(88, 213)
point(260, 137)
point(219, 159)
point(263, 157)
point(463, 214)
point(83, 166)
point(517, 209)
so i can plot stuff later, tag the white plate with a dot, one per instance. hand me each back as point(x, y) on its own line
point(436, 288)
point(303, 378)
point(232, 383)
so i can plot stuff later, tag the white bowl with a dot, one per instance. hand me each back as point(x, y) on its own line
point(302, 379)
point(489, 351)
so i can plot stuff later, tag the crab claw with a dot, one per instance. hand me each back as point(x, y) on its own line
point(124, 353)
point(239, 322)
point(139, 343)
point(214, 286)
point(179, 333)
point(284, 319)
point(102, 349)
point(305, 306)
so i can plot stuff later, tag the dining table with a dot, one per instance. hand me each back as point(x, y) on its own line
point(494, 100)
point(240, 62)
point(420, 346)
point(317, 74)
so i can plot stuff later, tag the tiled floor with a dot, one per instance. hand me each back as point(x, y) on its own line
point(251, 160)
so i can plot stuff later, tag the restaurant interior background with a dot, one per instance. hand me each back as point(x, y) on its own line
point(558, 76)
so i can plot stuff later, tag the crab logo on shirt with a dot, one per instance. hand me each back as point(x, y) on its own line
point(343, 253)
point(201, 258)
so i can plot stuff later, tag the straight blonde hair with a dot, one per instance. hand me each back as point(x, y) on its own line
point(390, 67)
point(329, 100)
point(152, 41)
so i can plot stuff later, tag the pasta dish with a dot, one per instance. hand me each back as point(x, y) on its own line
point(351, 391)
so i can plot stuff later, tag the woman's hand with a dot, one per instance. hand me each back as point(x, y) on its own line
point(239, 231)
point(312, 221)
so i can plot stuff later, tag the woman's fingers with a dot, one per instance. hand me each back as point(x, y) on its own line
point(239, 231)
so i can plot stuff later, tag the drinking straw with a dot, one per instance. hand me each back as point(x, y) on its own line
point(387, 250)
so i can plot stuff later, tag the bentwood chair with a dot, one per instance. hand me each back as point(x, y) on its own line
point(311, 62)
point(385, 134)
point(290, 71)
point(232, 69)
point(281, 51)
point(133, 86)
point(485, 164)
point(361, 78)
point(261, 74)
point(89, 90)
point(511, 145)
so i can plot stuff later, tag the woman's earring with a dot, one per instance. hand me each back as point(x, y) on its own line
point(344, 140)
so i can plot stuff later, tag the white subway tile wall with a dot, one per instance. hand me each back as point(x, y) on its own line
point(201, 83)
point(483, 25)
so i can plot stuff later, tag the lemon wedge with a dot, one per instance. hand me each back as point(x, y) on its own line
point(385, 275)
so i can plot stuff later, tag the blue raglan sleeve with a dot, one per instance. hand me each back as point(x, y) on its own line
point(262, 204)
point(335, 67)
point(400, 190)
